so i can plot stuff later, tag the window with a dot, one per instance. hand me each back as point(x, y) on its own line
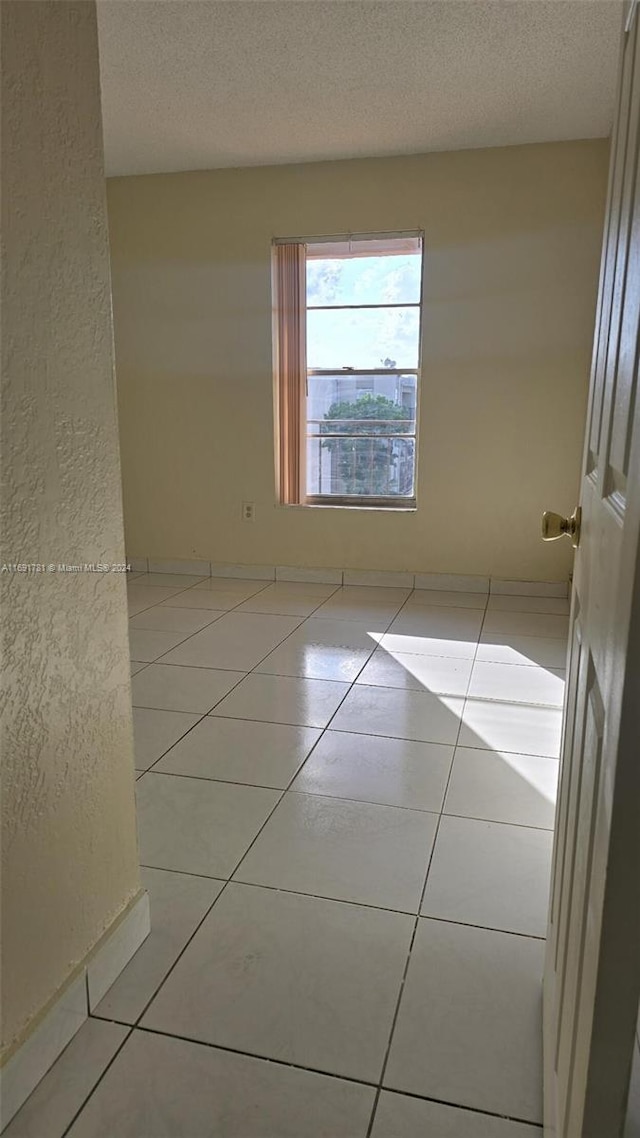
point(347, 355)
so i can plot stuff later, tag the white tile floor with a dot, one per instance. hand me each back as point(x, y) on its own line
point(345, 807)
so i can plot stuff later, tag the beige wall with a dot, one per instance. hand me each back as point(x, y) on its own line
point(69, 857)
point(512, 250)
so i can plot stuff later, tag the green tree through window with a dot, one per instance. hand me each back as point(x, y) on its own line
point(361, 464)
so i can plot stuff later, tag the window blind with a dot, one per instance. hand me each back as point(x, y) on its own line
point(291, 366)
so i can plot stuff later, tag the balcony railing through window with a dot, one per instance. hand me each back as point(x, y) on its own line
point(361, 436)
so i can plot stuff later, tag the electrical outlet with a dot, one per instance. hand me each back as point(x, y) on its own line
point(248, 511)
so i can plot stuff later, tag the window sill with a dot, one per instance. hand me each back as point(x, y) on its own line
point(405, 508)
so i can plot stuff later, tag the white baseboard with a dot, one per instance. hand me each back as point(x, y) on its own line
point(246, 572)
point(196, 568)
point(51, 1033)
point(115, 950)
point(138, 564)
point(27, 1066)
point(386, 577)
point(452, 582)
point(309, 576)
point(530, 588)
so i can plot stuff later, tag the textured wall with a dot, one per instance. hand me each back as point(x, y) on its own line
point(69, 856)
point(512, 239)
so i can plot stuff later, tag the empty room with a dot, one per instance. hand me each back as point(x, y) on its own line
point(320, 574)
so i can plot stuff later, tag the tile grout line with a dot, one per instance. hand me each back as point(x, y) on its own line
point(158, 660)
point(181, 608)
point(352, 1079)
point(153, 604)
point(179, 643)
point(228, 880)
point(352, 683)
point(202, 717)
point(411, 591)
point(324, 729)
point(378, 646)
point(418, 917)
point(286, 790)
point(136, 1026)
point(276, 805)
point(405, 973)
point(306, 616)
point(332, 900)
point(517, 703)
point(301, 621)
point(327, 725)
point(310, 793)
point(180, 592)
point(337, 797)
point(237, 866)
point(100, 1077)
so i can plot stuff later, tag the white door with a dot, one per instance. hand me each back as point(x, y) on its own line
point(592, 973)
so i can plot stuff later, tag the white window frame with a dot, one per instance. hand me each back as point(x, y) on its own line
point(358, 501)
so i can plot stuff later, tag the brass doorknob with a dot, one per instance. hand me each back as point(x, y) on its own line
point(555, 526)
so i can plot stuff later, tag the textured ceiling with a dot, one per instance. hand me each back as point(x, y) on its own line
point(197, 84)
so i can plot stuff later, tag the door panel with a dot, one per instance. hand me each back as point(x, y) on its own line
point(573, 947)
point(622, 410)
point(565, 819)
point(608, 269)
point(592, 972)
